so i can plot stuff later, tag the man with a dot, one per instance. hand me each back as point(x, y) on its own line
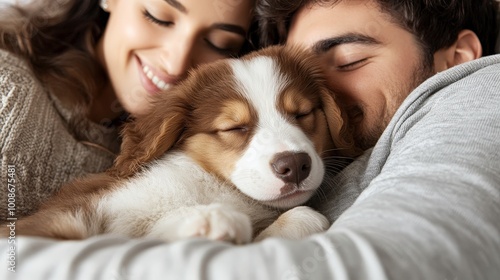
point(423, 203)
point(377, 52)
point(430, 186)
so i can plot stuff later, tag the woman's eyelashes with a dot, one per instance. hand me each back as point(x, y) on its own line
point(230, 51)
point(153, 19)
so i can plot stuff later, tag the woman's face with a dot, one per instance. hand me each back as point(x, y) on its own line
point(149, 45)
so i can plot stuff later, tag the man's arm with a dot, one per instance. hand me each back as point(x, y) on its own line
point(431, 187)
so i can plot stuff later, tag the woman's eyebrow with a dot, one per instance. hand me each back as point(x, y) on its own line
point(177, 5)
point(325, 45)
point(223, 26)
point(230, 28)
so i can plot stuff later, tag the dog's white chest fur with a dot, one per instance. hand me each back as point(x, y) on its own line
point(176, 198)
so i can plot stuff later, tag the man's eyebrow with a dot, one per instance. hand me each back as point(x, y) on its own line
point(231, 28)
point(325, 45)
point(177, 5)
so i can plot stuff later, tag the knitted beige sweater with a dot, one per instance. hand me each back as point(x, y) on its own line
point(37, 149)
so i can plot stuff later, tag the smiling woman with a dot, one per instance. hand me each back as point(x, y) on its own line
point(72, 71)
point(151, 44)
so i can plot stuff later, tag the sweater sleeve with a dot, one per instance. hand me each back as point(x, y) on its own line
point(35, 142)
point(429, 209)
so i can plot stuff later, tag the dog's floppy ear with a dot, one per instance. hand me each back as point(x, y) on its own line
point(340, 131)
point(151, 135)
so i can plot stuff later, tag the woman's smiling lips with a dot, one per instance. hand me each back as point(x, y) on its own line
point(153, 81)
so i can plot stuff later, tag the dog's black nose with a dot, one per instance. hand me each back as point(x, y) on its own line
point(291, 167)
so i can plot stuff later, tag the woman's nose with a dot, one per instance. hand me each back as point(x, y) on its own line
point(178, 58)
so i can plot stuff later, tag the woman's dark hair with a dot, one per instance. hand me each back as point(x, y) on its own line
point(435, 23)
point(57, 39)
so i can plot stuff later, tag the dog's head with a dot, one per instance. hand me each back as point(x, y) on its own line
point(262, 122)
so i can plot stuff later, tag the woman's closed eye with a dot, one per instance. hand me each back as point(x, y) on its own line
point(224, 51)
point(155, 20)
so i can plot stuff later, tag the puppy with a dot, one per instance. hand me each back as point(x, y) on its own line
point(221, 156)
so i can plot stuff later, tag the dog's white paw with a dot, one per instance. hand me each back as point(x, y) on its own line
point(217, 222)
point(296, 223)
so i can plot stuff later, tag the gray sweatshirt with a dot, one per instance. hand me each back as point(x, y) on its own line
point(424, 203)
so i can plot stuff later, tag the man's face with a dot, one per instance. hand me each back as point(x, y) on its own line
point(371, 63)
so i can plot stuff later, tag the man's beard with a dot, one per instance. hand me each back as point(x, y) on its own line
point(366, 136)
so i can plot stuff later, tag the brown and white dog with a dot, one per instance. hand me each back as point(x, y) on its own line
point(221, 156)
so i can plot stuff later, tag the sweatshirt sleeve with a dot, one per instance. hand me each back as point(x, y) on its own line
point(429, 209)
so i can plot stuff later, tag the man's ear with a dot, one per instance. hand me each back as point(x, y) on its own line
point(467, 47)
